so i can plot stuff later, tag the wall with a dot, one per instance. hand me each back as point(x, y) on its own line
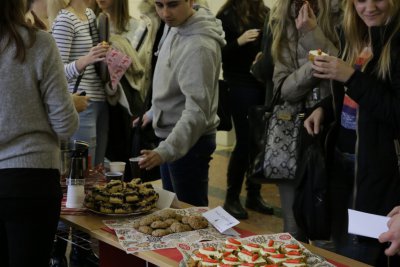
point(214, 5)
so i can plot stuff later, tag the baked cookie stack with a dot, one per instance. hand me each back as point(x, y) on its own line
point(117, 197)
point(167, 222)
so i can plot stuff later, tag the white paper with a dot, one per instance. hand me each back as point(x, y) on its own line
point(366, 224)
point(166, 198)
point(220, 219)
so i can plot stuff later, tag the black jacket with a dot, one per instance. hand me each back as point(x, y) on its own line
point(377, 169)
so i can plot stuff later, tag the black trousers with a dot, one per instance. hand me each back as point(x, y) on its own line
point(30, 204)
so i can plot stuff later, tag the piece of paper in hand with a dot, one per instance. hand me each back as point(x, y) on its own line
point(117, 63)
point(221, 220)
point(366, 224)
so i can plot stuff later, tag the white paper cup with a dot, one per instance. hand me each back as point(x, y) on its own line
point(117, 166)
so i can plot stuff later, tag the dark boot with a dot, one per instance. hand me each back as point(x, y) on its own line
point(235, 208)
point(257, 203)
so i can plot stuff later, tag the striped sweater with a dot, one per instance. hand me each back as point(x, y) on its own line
point(74, 40)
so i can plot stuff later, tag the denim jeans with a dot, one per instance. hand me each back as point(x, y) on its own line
point(93, 128)
point(188, 176)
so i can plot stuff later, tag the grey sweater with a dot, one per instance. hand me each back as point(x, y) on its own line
point(36, 109)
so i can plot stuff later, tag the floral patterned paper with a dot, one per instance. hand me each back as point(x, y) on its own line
point(134, 241)
point(186, 249)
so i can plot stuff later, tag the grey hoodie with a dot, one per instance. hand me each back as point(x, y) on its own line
point(185, 84)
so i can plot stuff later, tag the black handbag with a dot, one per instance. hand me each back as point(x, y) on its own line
point(311, 203)
point(224, 108)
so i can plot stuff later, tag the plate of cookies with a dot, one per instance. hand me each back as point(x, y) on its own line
point(163, 229)
point(168, 221)
point(117, 198)
point(258, 250)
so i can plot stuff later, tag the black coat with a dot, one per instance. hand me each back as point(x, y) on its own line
point(377, 169)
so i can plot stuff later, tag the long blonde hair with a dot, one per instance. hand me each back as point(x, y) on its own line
point(357, 36)
point(281, 17)
point(53, 7)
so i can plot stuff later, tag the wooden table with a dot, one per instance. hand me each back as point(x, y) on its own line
point(112, 253)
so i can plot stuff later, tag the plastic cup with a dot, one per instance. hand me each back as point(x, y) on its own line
point(135, 169)
point(75, 193)
point(117, 166)
point(114, 176)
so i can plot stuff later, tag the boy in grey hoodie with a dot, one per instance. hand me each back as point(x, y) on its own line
point(185, 99)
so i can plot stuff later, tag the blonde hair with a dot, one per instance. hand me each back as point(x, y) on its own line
point(281, 17)
point(53, 7)
point(357, 36)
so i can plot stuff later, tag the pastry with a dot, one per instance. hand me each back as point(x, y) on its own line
point(114, 186)
point(123, 208)
point(313, 53)
point(107, 208)
point(116, 198)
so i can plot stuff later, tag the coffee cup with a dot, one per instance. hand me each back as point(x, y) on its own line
point(114, 176)
point(135, 169)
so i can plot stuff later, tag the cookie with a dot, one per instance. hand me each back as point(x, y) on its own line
point(159, 224)
point(145, 229)
point(197, 222)
point(161, 232)
point(179, 227)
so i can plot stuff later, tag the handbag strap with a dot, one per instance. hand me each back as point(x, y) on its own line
point(78, 81)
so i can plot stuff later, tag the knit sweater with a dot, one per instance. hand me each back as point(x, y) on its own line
point(36, 109)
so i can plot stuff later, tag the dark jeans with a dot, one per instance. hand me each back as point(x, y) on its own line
point(188, 176)
point(363, 249)
point(28, 222)
point(242, 97)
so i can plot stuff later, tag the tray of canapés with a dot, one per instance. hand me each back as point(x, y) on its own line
point(118, 198)
point(255, 251)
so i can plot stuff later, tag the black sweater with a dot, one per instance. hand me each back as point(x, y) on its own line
point(236, 60)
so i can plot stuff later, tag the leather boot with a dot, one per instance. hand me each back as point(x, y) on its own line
point(235, 208)
point(257, 203)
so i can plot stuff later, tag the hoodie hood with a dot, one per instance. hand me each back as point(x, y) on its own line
point(147, 7)
point(203, 22)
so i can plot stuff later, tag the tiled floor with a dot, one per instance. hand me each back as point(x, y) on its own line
point(217, 190)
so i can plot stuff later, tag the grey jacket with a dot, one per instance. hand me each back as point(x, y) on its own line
point(294, 72)
point(36, 109)
point(185, 84)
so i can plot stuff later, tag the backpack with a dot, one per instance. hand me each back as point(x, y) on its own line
point(311, 203)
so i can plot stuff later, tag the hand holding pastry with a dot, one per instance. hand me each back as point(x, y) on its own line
point(329, 67)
